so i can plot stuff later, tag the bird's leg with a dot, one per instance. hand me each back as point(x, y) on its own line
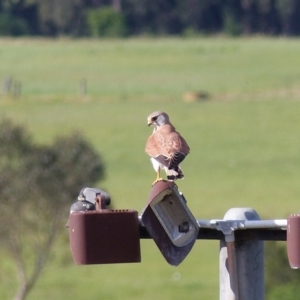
point(158, 178)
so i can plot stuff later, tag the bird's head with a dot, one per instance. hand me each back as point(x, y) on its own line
point(158, 119)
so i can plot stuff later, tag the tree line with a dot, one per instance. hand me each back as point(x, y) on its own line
point(148, 17)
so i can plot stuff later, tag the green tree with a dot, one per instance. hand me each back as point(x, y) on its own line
point(173, 16)
point(106, 22)
point(289, 11)
point(157, 17)
point(61, 17)
point(37, 187)
point(11, 26)
point(12, 21)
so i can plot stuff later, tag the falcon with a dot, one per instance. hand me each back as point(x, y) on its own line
point(166, 147)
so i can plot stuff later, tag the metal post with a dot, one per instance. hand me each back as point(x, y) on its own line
point(241, 262)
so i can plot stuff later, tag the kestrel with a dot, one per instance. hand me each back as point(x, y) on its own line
point(166, 147)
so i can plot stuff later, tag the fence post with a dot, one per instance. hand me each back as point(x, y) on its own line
point(82, 87)
point(6, 85)
point(241, 262)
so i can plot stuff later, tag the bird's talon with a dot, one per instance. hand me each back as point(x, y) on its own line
point(157, 180)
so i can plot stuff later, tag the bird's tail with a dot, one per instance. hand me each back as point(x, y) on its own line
point(174, 174)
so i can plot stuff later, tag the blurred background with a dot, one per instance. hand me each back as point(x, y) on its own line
point(129, 17)
point(78, 80)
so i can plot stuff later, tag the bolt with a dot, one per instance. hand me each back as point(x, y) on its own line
point(184, 227)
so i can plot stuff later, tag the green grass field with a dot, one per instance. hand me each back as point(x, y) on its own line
point(245, 145)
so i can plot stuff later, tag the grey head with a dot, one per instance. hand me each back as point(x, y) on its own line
point(158, 119)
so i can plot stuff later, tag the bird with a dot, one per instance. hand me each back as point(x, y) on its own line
point(166, 147)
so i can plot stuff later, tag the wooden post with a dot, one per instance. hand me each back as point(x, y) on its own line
point(241, 262)
point(6, 85)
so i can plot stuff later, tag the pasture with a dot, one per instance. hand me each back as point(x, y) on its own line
point(244, 139)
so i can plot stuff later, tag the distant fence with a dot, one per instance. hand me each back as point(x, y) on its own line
point(12, 87)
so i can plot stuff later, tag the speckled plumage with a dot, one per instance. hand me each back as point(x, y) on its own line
point(166, 147)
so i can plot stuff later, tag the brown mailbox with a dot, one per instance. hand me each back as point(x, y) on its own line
point(104, 236)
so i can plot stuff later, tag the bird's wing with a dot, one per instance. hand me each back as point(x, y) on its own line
point(176, 159)
point(173, 142)
point(176, 148)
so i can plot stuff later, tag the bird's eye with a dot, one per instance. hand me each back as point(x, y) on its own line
point(154, 118)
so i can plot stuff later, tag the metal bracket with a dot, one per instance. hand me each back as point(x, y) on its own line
point(228, 227)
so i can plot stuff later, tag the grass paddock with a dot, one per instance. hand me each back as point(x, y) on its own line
point(244, 141)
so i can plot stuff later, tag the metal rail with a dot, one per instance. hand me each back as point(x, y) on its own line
point(263, 230)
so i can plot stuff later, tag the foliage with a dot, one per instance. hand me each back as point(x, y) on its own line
point(288, 291)
point(173, 16)
point(12, 26)
point(281, 281)
point(105, 22)
point(37, 185)
point(232, 16)
point(76, 17)
point(59, 17)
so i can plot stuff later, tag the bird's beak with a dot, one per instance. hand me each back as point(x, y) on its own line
point(149, 122)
